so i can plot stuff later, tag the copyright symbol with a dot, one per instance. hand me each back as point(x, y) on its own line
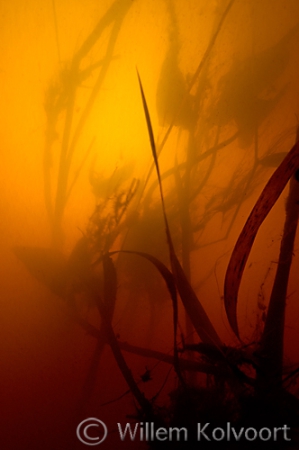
point(85, 425)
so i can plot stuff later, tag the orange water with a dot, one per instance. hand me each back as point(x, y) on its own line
point(245, 93)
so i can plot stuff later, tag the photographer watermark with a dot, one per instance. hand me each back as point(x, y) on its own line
point(93, 431)
point(84, 428)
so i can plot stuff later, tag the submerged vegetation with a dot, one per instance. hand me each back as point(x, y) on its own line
point(146, 231)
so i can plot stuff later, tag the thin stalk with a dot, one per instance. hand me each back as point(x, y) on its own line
point(116, 14)
point(62, 182)
point(121, 362)
point(196, 312)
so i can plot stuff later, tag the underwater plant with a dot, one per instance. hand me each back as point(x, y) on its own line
point(270, 400)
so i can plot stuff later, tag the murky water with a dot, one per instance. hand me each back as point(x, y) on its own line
point(78, 180)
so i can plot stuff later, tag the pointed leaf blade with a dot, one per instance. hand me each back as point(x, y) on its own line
point(264, 204)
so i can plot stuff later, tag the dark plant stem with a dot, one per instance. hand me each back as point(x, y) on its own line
point(271, 352)
point(186, 230)
point(106, 311)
